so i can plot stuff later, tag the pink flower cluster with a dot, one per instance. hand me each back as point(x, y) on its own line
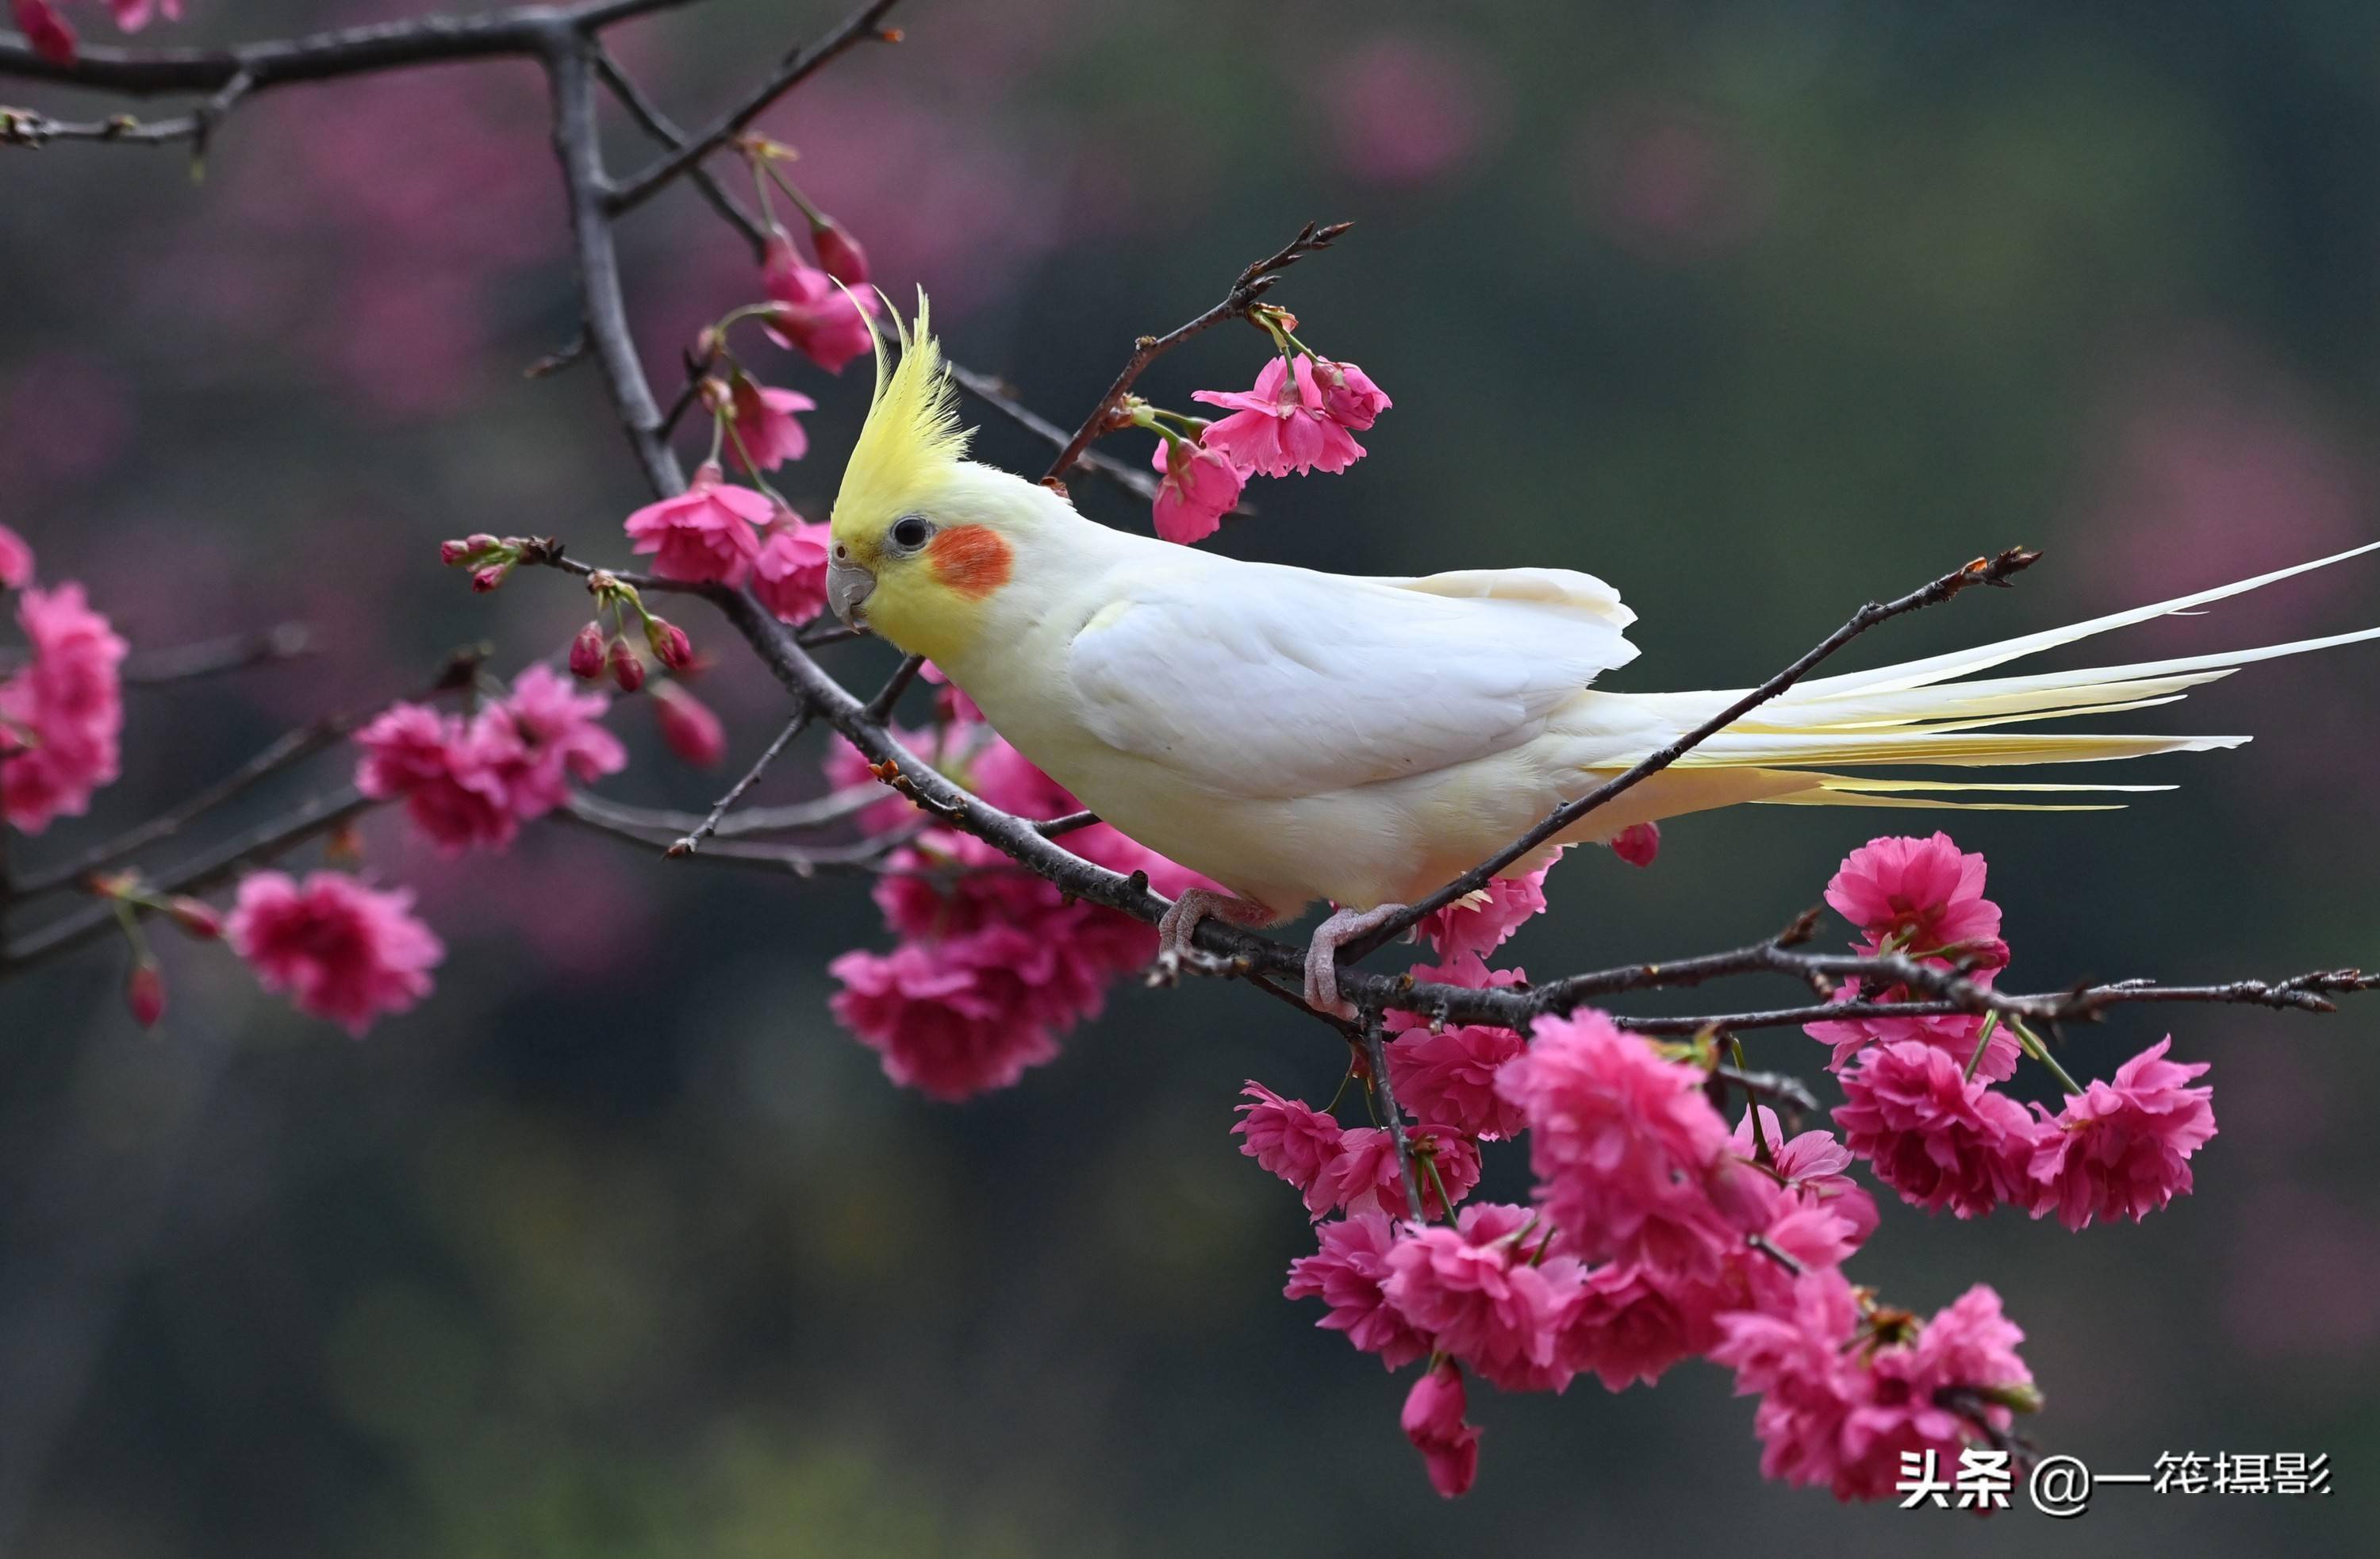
point(994, 964)
point(1920, 1103)
point(471, 782)
point(62, 711)
point(341, 950)
point(716, 531)
point(1302, 415)
point(1844, 1394)
point(1657, 1236)
point(811, 314)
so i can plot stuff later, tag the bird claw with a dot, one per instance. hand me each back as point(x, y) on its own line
point(1177, 931)
point(1322, 954)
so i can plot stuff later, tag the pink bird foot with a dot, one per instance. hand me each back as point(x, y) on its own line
point(1177, 929)
point(1322, 954)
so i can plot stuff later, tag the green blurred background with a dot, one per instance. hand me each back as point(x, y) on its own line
point(619, 1247)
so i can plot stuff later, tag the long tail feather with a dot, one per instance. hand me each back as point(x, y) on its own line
point(1914, 714)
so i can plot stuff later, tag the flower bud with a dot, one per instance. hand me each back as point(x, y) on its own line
point(839, 253)
point(453, 552)
point(692, 731)
point(490, 579)
point(145, 993)
point(1638, 842)
point(670, 644)
point(196, 916)
point(627, 666)
point(480, 541)
point(586, 653)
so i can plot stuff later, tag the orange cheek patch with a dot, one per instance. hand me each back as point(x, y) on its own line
point(971, 559)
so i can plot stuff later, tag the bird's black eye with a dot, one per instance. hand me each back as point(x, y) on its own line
point(910, 531)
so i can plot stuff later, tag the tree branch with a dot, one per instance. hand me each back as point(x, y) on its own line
point(634, 191)
point(1252, 285)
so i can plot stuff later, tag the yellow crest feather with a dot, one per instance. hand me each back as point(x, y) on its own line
point(911, 431)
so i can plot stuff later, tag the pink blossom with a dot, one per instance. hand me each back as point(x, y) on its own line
point(689, 728)
point(1939, 1138)
point(47, 32)
point(557, 740)
point(706, 532)
point(341, 950)
point(1625, 1146)
point(1813, 1165)
point(450, 774)
point(764, 427)
point(839, 253)
point(1349, 397)
point(1346, 1275)
point(965, 1013)
point(1954, 1034)
point(1432, 1420)
point(814, 316)
point(789, 576)
point(1638, 842)
point(1366, 1177)
point(1481, 1293)
point(1922, 896)
point(16, 561)
point(1632, 1321)
point(1280, 425)
point(2123, 1147)
point(1451, 1077)
point(1483, 921)
point(1200, 487)
point(1840, 1406)
point(587, 652)
point(1291, 1139)
point(62, 713)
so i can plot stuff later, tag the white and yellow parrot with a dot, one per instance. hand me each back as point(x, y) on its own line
point(1299, 736)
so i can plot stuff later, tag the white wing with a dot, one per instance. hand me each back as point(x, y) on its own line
point(1264, 682)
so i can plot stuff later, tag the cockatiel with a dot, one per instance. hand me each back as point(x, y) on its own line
point(1297, 735)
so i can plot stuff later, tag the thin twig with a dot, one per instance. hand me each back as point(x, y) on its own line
point(1252, 283)
point(634, 190)
point(1385, 1104)
point(1982, 571)
point(694, 838)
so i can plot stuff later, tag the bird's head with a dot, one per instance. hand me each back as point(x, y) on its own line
point(924, 539)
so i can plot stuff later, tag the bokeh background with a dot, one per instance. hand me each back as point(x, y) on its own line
point(619, 1247)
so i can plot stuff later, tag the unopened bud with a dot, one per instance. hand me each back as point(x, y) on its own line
point(586, 653)
point(709, 344)
point(196, 916)
point(145, 994)
point(627, 666)
point(480, 540)
point(1638, 842)
point(839, 253)
point(489, 578)
point(670, 644)
point(689, 728)
point(452, 552)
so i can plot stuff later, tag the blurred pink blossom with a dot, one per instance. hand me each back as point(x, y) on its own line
point(1669, 182)
point(1407, 109)
point(62, 713)
point(339, 949)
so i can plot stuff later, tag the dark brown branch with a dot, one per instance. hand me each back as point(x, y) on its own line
point(1384, 1104)
point(634, 191)
point(266, 842)
point(1982, 571)
point(1251, 286)
point(320, 56)
point(657, 124)
point(570, 69)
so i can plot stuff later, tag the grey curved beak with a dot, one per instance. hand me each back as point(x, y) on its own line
point(849, 585)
